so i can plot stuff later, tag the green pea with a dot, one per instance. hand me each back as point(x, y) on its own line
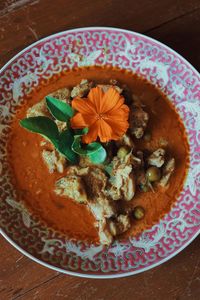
point(153, 174)
point(138, 212)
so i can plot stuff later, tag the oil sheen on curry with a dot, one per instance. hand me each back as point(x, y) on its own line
point(98, 154)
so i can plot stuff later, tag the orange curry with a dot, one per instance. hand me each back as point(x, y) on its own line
point(35, 185)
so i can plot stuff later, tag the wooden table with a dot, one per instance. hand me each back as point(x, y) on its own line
point(174, 22)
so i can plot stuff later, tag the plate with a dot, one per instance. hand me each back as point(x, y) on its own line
point(47, 58)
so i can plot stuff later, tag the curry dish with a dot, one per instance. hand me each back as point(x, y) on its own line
point(127, 168)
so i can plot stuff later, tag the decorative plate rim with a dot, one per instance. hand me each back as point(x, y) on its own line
point(74, 273)
point(96, 28)
point(82, 275)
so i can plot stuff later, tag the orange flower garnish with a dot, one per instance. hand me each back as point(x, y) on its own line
point(105, 115)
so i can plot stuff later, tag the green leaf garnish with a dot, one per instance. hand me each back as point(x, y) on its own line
point(42, 125)
point(88, 149)
point(59, 110)
point(66, 139)
point(94, 151)
point(99, 156)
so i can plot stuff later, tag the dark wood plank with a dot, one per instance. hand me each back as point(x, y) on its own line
point(176, 23)
point(182, 35)
point(7, 6)
point(23, 26)
point(19, 274)
point(176, 279)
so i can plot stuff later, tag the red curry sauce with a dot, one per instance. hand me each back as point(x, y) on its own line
point(35, 185)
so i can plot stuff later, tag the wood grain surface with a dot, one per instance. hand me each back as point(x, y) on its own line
point(174, 22)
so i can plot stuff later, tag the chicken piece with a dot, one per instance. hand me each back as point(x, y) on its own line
point(71, 186)
point(105, 87)
point(125, 140)
point(102, 207)
point(120, 225)
point(81, 89)
point(138, 120)
point(128, 188)
point(78, 171)
point(168, 169)
point(95, 182)
point(38, 109)
point(62, 94)
point(121, 183)
point(61, 125)
point(110, 228)
point(88, 185)
point(105, 236)
point(124, 223)
point(54, 161)
point(85, 161)
point(157, 158)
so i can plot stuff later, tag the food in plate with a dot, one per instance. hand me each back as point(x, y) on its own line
point(109, 159)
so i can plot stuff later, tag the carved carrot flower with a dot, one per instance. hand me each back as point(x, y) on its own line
point(105, 115)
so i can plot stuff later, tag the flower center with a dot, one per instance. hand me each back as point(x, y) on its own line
point(100, 116)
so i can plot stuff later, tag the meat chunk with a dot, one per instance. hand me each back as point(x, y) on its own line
point(78, 171)
point(102, 207)
point(168, 169)
point(119, 225)
point(88, 185)
point(105, 235)
point(138, 120)
point(121, 183)
point(71, 186)
point(62, 94)
point(95, 182)
point(54, 161)
point(110, 228)
point(126, 140)
point(105, 87)
point(76, 186)
point(61, 125)
point(81, 89)
point(157, 158)
point(128, 189)
point(38, 109)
